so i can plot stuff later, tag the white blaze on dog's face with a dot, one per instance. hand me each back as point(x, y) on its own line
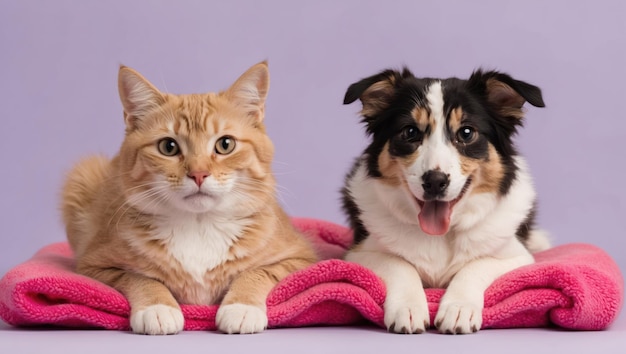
point(442, 140)
point(435, 177)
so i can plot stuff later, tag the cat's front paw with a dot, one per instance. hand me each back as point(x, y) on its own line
point(240, 318)
point(459, 317)
point(406, 317)
point(157, 319)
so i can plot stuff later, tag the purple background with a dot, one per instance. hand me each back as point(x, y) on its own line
point(58, 71)
point(59, 101)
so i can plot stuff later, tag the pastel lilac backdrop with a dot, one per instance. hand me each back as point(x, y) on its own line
point(58, 98)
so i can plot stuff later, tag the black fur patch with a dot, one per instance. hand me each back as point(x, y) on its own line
point(387, 125)
point(352, 209)
point(491, 127)
point(524, 229)
point(502, 127)
point(455, 96)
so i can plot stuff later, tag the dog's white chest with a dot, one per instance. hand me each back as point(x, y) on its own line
point(199, 245)
point(435, 259)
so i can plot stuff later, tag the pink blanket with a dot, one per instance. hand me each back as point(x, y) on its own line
point(575, 286)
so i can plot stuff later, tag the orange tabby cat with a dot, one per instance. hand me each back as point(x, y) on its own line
point(186, 212)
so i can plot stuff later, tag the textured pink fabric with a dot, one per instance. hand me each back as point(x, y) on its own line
point(575, 286)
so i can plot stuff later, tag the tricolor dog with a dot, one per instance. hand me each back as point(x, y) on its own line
point(440, 197)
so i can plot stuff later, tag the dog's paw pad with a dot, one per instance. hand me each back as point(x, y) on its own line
point(240, 318)
point(458, 318)
point(157, 319)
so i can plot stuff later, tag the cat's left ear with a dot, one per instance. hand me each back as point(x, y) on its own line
point(250, 90)
point(139, 97)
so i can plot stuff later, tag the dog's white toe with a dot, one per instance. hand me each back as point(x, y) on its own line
point(241, 318)
point(157, 319)
point(459, 318)
point(406, 318)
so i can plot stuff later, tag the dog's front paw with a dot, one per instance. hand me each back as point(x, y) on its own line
point(157, 319)
point(240, 318)
point(459, 318)
point(407, 317)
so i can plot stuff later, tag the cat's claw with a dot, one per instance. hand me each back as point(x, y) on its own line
point(240, 318)
point(157, 320)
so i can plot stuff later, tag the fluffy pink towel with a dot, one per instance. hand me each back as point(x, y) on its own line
point(575, 286)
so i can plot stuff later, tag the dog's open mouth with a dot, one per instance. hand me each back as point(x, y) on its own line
point(434, 215)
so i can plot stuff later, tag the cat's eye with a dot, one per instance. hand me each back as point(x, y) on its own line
point(225, 145)
point(466, 135)
point(168, 147)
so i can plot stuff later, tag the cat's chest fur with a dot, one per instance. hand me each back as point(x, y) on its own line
point(199, 244)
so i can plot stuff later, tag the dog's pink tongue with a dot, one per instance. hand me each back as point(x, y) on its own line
point(435, 217)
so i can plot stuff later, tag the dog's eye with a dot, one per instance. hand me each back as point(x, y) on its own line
point(410, 133)
point(168, 147)
point(466, 135)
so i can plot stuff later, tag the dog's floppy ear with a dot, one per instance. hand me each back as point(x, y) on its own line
point(375, 92)
point(505, 94)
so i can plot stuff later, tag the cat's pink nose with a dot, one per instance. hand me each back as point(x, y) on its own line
point(198, 176)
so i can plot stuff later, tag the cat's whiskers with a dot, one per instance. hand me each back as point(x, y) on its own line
point(123, 195)
point(279, 165)
point(138, 198)
point(153, 202)
point(246, 199)
point(257, 182)
point(254, 204)
point(162, 197)
point(279, 189)
point(251, 187)
point(113, 177)
point(255, 185)
point(254, 182)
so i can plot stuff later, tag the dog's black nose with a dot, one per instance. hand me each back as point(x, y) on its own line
point(435, 184)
